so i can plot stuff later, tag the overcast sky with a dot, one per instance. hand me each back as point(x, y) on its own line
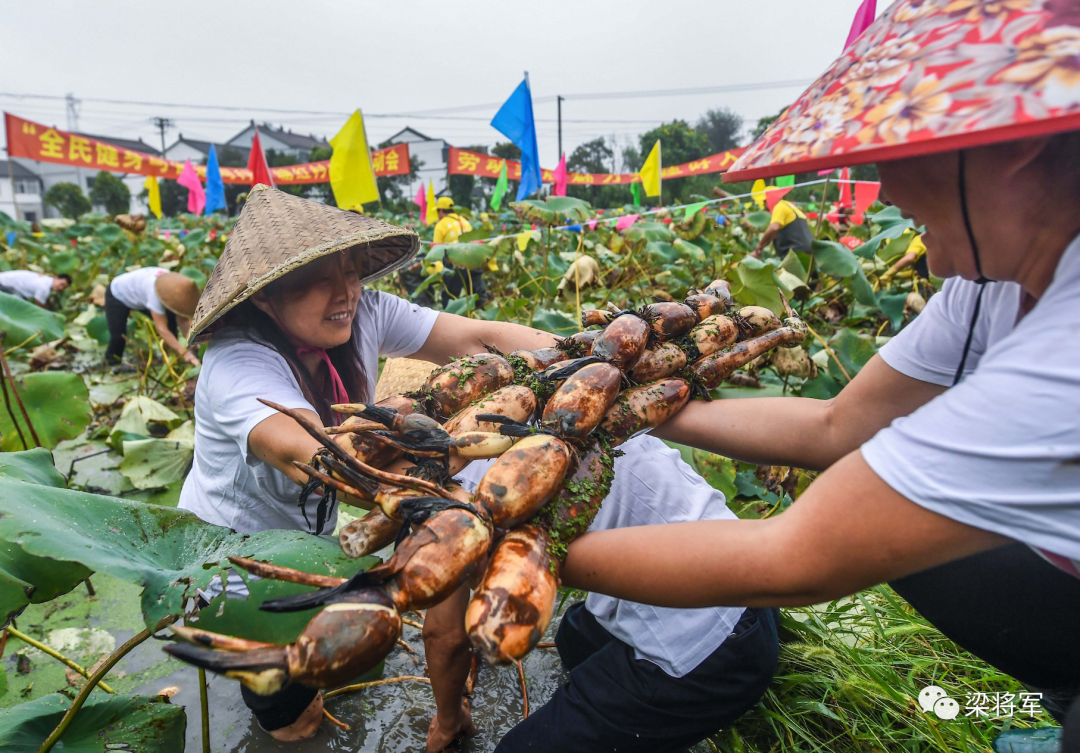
point(394, 58)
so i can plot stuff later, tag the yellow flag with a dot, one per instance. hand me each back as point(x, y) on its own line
point(153, 199)
point(351, 175)
point(432, 211)
point(757, 193)
point(650, 172)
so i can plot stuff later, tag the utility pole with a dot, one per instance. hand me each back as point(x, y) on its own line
point(161, 124)
point(72, 112)
point(558, 100)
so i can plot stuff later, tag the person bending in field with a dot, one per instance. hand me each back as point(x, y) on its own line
point(31, 286)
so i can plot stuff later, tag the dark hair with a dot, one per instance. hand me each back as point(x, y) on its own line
point(65, 277)
point(256, 325)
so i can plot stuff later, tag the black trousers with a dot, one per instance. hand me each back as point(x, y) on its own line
point(116, 318)
point(1015, 611)
point(616, 702)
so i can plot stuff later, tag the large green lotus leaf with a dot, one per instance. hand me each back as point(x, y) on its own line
point(79, 230)
point(892, 305)
point(194, 273)
point(469, 255)
point(688, 250)
point(25, 579)
point(141, 411)
point(555, 322)
point(863, 290)
point(649, 231)
point(168, 552)
point(154, 463)
point(759, 220)
point(20, 319)
point(853, 350)
point(796, 264)
point(98, 328)
point(64, 263)
point(105, 723)
point(556, 210)
point(195, 238)
point(792, 284)
point(718, 471)
point(757, 285)
point(59, 407)
point(110, 233)
point(835, 259)
point(660, 252)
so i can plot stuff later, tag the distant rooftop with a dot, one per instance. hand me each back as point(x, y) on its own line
point(204, 146)
point(18, 172)
point(295, 140)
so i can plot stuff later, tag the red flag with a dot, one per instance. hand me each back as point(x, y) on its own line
point(773, 196)
point(845, 187)
point(559, 177)
point(260, 172)
point(865, 195)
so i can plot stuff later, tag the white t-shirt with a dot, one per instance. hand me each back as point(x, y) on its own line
point(27, 284)
point(1001, 450)
point(228, 485)
point(653, 486)
point(136, 289)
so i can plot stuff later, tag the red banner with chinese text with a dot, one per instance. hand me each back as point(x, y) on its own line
point(463, 162)
point(44, 144)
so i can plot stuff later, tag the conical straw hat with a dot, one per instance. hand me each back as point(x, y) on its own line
point(402, 375)
point(179, 294)
point(931, 76)
point(278, 232)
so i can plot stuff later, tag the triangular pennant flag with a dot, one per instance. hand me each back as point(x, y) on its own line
point(352, 176)
point(189, 179)
point(260, 171)
point(625, 221)
point(773, 196)
point(215, 186)
point(865, 195)
point(757, 193)
point(432, 215)
point(153, 196)
point(650, 171)
point(500, 188)
point(635, 191)
point(845, 187)
point(864, 16)
point(785, 180)
point(421, 201)
point(559, 177)
point(693, 209)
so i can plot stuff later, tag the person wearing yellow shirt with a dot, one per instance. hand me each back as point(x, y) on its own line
point(448, 229)
point(915, 254)
point(789, 229)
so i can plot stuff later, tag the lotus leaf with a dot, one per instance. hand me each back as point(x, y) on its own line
point(20, 319)
point(59, 407)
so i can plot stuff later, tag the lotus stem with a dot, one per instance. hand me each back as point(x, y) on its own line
point(204, 708)
point(56, 655)
point(333, 720)
point(287, 574)
point(372, 684)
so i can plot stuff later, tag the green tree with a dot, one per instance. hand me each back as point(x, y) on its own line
point(111, 192)
point(596, 157)
point(721, 127)
point(68, 199)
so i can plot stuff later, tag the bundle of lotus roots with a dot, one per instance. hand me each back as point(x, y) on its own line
point(553, 418)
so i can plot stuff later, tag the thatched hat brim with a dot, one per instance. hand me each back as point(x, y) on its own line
point(278, 233)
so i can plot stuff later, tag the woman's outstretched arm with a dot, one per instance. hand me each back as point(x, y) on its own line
point(848, 531)
point(454, 336)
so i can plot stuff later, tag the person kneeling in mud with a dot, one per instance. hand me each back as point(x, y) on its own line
point(641, 678)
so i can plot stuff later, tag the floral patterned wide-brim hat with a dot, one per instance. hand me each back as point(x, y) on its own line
point(932, 76)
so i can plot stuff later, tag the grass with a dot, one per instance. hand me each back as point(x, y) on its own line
point(849, 679)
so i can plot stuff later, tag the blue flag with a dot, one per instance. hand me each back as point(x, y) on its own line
point(215, 187)
point(515, 121)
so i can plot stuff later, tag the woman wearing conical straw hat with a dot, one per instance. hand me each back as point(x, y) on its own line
point(288, 321)
point(952, 460)
point(168, 297)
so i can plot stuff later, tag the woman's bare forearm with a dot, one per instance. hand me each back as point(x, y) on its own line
point(454, 336)
point(803, 432)
point(848, 531)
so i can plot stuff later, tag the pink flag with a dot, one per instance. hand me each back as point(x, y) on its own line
point(825, 172)
point(189, 179)
point(625, 221)
point(864, 16)
point(421, 200)
point(560, 178)
point(865, 195)
point(592, 224)
point(773, 196)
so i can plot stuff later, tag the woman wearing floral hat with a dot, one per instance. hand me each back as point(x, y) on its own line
point(952, 461)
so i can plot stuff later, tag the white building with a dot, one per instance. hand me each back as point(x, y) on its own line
point(280, 140)
point(51, 173)
point(432, 154)
point(27, 195)
point(198, 151)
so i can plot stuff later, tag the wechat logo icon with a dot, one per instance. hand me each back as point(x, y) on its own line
point(934, 700)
